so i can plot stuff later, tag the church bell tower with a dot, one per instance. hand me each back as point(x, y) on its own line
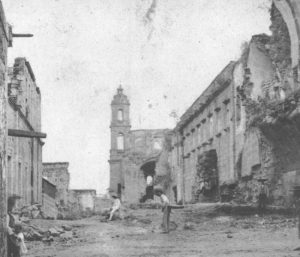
point(119, 129)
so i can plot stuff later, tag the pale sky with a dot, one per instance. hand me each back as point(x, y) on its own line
point(163, 52)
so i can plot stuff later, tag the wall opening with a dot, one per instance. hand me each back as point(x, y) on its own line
point(120, 115)
point(149, 173)
point(120, 142)
point(206, 185)
point(119, 190)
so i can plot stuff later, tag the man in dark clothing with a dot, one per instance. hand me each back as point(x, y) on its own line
point(263, 195)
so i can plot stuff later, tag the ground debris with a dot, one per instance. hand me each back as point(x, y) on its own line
point(43, 232)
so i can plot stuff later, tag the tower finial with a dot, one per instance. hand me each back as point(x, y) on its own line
point(120, 89)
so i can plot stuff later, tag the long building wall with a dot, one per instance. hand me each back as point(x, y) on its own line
point(24, 155)
point(5, 41)
point(24, 158)
point(251, 138)
point(210, 128)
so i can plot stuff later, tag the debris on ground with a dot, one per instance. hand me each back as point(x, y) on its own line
point(34, 232)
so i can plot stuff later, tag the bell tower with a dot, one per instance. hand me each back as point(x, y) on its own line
point(119, 129)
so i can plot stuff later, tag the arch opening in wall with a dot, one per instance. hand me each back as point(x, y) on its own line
point(148, 170)
point(120, 115)
point(120, 142)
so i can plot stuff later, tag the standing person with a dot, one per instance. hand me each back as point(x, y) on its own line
point(166, 209)
point(115, 207)
point(263, 195)
point(13, 246)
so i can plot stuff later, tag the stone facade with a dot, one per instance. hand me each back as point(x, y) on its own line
point(245, 126)
point(5, 42)
point(57, 173)
point(135, 154)
point(24, 154)
point(206, 130)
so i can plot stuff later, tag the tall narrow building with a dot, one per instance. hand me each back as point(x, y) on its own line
point(120, 128)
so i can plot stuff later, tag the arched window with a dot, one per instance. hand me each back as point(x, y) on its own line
point(120, 115)
point(120, 142)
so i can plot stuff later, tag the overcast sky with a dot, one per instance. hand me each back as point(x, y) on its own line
point(163, 52)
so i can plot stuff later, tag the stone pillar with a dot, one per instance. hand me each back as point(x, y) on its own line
point(4, 41)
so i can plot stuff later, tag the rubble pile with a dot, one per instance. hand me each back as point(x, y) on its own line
point(36, 233)
point(32, 211)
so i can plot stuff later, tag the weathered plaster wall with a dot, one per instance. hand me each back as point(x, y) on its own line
point(57, 173)
point(85, 199)
point(207, 125)
point(24, 155)
point(5, 41)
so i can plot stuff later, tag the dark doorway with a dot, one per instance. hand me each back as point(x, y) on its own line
point(119, 190)
point(149, 172)
point(206, 186)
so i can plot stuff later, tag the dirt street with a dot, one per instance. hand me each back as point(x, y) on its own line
point(195, 233)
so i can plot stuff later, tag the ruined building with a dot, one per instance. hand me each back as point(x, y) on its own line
point(5, 42)
point(24, 144)
point(135, 154)
point(57, 173)
point(203, 145)
point(244, 128)
point(245, 125)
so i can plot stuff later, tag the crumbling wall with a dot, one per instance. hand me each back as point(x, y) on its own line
point(280, 44)
point(146, 146)
point(205, 187)
point(276, 124)
point(269, 96)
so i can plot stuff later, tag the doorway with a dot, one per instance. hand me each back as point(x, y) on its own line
point(149, 174)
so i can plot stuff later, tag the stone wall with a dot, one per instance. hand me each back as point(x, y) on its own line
point(146, 146)
point(207, 125)
point(270, 96)
point(85, 198)
point(5, 41)
point(24, 92)
point(24, 160)
point(57, 173)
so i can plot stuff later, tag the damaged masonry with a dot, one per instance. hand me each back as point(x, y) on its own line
point(239, 140)
point(243, 128)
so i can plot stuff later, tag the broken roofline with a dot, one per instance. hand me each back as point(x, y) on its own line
point(215, 87)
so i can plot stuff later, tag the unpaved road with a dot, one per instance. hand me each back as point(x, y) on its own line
point(195, 235)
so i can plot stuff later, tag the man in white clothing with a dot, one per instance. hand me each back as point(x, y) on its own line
point(116, 206)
